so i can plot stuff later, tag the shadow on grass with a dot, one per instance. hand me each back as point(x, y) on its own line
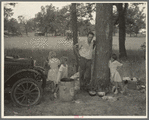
point(134, 65)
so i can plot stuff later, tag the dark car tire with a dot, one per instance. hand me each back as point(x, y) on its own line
point(26, 92)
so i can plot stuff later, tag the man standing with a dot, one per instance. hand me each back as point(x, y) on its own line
point(84, 51)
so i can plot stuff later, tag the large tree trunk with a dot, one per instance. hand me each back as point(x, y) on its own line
point(130, 34)
point(46, 31)
point(122, 29)
point(26, 29)
point(101, 73)
point(74, 29)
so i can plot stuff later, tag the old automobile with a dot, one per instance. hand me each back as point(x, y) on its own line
point(23, 80)
point(39, 33)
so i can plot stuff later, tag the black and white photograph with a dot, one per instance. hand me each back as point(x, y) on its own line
point(67, 59)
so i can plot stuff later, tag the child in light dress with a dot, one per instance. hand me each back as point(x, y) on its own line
point(54, 63)
point(62, 72)
point(115, 76)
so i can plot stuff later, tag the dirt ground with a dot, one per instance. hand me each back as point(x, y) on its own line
point(131, 104)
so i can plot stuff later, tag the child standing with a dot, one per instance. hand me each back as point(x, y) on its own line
point(115, 76)
point(62, 72)
point(54, 63)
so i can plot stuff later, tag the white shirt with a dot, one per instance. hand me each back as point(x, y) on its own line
point(86, 49)
point(62, 73)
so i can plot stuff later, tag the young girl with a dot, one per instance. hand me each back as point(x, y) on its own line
point(62, 72)
point(54, 63)
point(115, 76)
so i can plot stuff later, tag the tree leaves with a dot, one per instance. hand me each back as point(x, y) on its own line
point(135, 19)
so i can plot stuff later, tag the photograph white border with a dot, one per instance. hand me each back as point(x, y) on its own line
point(2, 63)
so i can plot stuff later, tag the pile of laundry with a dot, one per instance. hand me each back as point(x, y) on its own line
point(134, 83)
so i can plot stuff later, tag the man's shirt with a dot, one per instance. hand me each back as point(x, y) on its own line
point(85, 49)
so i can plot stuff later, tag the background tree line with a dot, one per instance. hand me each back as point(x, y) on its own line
point(53, 20)
point(127, 18)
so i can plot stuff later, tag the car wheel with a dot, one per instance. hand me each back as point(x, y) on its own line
point(26, 92)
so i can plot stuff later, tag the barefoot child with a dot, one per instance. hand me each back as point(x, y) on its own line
point(115, 76)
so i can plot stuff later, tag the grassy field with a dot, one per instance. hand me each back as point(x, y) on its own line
point(38, 47)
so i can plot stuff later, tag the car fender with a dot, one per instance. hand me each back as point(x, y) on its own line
point(42, 72)
point(14, 77)
point(39, 68)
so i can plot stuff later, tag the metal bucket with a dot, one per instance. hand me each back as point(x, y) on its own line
point(66, 89)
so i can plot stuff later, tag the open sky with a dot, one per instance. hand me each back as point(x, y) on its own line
point(29, 9)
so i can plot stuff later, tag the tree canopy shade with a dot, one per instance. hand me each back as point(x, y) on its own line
point(101, 74)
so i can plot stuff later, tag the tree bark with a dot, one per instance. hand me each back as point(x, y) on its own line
point(74, 29)
point(122, 30)
point(101, 73)
point(26, 30)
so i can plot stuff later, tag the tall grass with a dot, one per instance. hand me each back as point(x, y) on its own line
point(40, 55)
point(134, 66)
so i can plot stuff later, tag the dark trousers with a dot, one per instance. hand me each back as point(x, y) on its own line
point(85, 72)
